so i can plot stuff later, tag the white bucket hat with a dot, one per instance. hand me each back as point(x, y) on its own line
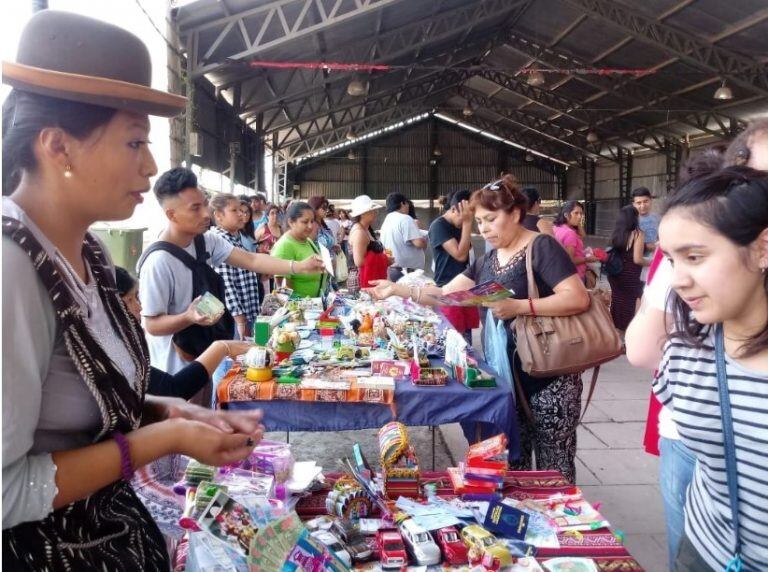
point(361, 205)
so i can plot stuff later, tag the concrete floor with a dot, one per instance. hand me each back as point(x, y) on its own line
point(612, 467)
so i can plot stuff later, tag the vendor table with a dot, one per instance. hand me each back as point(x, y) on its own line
point(413, 405)
point(601, 544)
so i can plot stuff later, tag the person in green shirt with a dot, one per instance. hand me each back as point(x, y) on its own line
point(296, 245)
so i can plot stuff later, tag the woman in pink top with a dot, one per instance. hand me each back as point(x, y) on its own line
point(570, 233)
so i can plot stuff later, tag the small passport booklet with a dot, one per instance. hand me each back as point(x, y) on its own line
point(506, 521)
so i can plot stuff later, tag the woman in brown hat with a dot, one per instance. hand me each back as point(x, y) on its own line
point(76, 420)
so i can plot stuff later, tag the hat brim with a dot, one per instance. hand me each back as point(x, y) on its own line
point(106, 92)
point(373, 207)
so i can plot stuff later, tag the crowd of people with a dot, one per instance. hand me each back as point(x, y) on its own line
point(101, 371)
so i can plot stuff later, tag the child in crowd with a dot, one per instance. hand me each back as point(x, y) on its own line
point(716, 227)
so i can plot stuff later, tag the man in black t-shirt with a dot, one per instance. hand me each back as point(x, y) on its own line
point(450, 237)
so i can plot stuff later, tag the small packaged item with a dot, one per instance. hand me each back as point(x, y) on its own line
point(228, 520)
point(210, 306)
point(207, 553)
point(271, 458)
point(570, 564)
point(310, 554)
point(431, 376)
point(196, 472)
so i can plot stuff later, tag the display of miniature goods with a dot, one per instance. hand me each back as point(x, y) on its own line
point(348, 500)
point(431, 376)
point(196, 472)
point(271, 458)
point(257, 361)
point(285, 340)
point(399, 465)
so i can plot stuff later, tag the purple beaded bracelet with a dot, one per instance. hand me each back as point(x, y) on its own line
point(126, 463)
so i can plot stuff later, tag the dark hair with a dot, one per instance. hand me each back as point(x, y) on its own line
point(740, 149)
point(411, 209)
point(532, 195)
point(704, 162)
point(173, 182)
point(270, 207)
point(734, 203)
point(565, 210)
point(456, 197)
point(125, 282)
point(318, 202)
point(248, 228)
point(502, 195)
point(25, 115)
point(626, 224)
point(395, 201)
point(641, 192)
point(296, 209)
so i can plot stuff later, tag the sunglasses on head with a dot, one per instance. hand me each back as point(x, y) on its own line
point(494, 186)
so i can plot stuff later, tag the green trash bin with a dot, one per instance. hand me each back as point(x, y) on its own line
point(124, 245)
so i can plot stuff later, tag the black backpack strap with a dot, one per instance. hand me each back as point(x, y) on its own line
point(176, 251)
point(200, 251)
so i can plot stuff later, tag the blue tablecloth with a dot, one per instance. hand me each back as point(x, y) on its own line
point(493, 408)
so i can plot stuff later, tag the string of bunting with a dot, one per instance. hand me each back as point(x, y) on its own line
point(363, 67)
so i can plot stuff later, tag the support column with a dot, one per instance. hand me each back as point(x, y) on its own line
point(434, 161)
point(590, 206)
point(625, 177)
point(673, 152)
point(364, 170)
point(189, 85)
point(260, 148)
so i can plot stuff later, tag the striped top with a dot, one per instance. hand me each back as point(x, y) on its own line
point(686, 383)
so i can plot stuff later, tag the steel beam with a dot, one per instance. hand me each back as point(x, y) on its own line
point(404, 40)
point(570, 108)
point(625, 177)
point(640, 96)
point(280, 22)
point(737, 68)
point(351, 116)
point(521, 137)
point(538, 125)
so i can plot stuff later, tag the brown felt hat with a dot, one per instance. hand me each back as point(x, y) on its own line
point(73, 57)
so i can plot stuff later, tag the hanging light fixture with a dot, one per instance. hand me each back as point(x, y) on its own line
point(723, 92)
point(437, 152)
point(357, 87)
point(351, 155)
point(467, 111)
point(592, 137)
point(528, 157)
point(350, 135)
point(536, 78)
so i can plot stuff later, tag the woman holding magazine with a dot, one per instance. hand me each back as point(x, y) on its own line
point(499, 209)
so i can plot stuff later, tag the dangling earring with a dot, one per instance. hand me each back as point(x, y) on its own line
point(68, 171)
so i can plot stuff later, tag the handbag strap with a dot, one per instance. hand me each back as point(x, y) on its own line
point(735, 564)
point(525, 406)
point(533, 290)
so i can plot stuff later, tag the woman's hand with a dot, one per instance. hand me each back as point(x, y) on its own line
point(382, 289)
point(248, 422)
point(210, 445)
point(236, 348)
point(311, 265)
point(505, 309)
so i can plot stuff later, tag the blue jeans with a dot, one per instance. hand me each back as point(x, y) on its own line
point(217, 376)
point(675, 473)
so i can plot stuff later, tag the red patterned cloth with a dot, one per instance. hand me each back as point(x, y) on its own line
point(651, 436)
point(600, 545)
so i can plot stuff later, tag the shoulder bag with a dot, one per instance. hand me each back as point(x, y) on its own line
point(551, 346)
point(729, 443)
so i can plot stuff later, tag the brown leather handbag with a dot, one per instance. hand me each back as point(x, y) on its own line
point(550, 346)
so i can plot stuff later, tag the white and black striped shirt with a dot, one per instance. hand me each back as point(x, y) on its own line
point(687, 383)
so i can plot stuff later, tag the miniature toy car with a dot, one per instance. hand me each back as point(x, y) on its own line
point(391, 549)
point(351, 536)
point(333, 544)
point(419, 543)
point(481, 539)
point(453, 549)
